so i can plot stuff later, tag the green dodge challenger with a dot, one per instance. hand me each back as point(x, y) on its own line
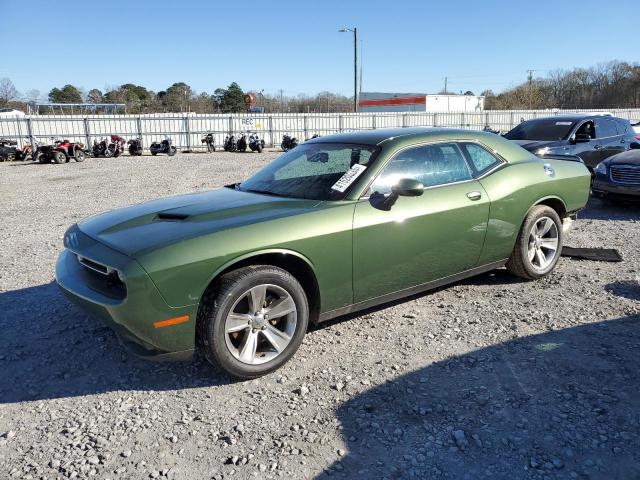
point(338, 224)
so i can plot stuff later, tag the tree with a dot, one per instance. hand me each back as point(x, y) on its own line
point(176, 98)
point(231, 100)
point(8, 91)
point(66, 94)
point(95, 96)
point(32, 95)
point(135, 97)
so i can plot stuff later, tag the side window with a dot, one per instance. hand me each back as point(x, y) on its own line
point(623, 126)
point(480, 158)
point(605, 128)
point(586, 129)
point(432, 165)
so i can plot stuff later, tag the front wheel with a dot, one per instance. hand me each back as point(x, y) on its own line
point(254, 321)
point(79, 156)
point(172, 151)
point(539, 244)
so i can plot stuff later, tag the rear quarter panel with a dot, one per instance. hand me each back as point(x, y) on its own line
point(517, 187)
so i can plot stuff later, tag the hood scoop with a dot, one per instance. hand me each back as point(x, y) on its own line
point(172, 216)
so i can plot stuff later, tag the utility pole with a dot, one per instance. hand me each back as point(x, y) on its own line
point(530, 78)
point(445, 85)
point(355, 65)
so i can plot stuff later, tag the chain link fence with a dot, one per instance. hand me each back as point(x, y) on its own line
point(187, 130)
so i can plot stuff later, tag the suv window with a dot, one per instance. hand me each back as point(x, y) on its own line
point(623, 125)
point(481, 159)
point(432, 165)
point(605, 128)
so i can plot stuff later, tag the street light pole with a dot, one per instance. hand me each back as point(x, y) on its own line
point(355, 65)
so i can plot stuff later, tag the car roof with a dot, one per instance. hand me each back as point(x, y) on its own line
point(379, 136)
point(573, 117)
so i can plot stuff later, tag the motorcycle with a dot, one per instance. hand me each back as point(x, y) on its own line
point(255, 143)
point(210, 141)
point(165, 146)
point(230, 143)
point(288, 143)
point(241, 146)
point(112, 148)
point(135, 146)
point(61, 151)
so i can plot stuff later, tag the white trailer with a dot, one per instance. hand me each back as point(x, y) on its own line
point(419, 102)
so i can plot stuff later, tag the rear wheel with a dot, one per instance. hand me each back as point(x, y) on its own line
point(539, 244)
point(172, 151)
point(59, 157)
point(254, 321)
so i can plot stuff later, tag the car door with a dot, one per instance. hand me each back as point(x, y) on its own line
point(587, 151)
point(423, 238)
point(608, 141)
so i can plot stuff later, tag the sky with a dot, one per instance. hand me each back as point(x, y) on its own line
point(407, 46)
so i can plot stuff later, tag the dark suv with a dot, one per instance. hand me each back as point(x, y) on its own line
point(591, 137)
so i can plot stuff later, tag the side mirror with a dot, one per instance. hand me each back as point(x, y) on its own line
point(634, 145)
point(582, 138)
point(408, 187)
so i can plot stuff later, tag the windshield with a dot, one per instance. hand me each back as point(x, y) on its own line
point(547, 130)
point(312, 171)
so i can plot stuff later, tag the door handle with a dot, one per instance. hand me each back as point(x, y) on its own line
point(623, 141)
point(597, 147)
point(474, 196)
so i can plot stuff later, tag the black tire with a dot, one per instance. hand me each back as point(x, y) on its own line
point(41, 158)
point(154, 153)
point(59, 157)
point(259, 148)
point(108, 153)
point(172, 151)
point(217, 304)
point(79, 156)
point(519, 263)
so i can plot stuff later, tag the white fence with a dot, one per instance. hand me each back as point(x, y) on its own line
point(186, 130)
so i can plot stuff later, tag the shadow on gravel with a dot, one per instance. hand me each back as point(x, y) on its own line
point(50, 349)
point(625, 288)
point(563, 404)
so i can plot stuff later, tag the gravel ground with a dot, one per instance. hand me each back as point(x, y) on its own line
point(488, 378)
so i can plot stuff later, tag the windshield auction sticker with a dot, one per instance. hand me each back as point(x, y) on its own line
point(348, 178)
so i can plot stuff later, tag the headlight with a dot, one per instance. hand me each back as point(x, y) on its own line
point(601, 168)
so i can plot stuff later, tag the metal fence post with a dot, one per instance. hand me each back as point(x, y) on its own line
point(305, 122)
point(435, 119)
point(139, 128)
point(187, 131)
point(340, 123)
point(373, 121)
point(404, 120)
point(87, 132)
point(230, 124)
point(271, 130)
point(32, 139)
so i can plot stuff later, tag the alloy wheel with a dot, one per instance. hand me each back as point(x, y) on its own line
point(260, 324)
point(543, 243)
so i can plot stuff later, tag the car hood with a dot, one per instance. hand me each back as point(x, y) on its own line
point(630, 157)
point(151, 225)
point(533, 145)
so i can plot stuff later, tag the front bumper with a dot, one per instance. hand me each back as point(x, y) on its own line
point(605, 187)
point(131, 315)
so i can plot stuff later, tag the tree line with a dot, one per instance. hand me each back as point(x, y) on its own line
point(179, 97)
point(610, 85)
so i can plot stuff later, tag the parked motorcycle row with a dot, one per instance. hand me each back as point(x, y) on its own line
point(112, 146)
